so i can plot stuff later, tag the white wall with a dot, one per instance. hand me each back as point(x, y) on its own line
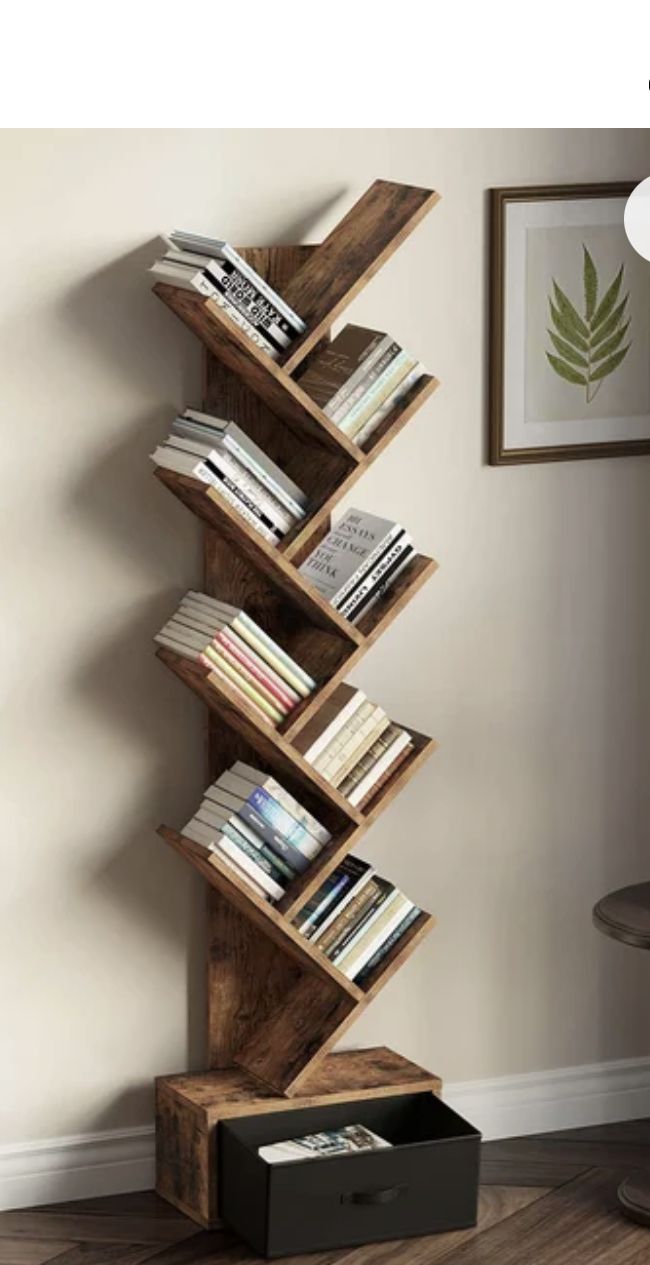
point(527, 655)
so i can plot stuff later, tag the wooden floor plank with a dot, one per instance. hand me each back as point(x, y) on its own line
point(576, 1224)
point(92, 1229)
point(496, 1203)
point(30, 1251)
point(513, 1163)
point(550, 1160)
point(104, 1254)
point(627, 1132)
point(139, 1203)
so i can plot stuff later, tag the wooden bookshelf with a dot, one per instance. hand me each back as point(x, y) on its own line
point(275, 1004)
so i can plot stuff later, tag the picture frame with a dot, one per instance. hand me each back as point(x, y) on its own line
point(566, 286)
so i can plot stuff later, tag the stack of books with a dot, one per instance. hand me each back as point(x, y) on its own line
point(357, 561)
point(214, 269)
point(359, 378)
point(348, 1140)
point(221, 455)
point(258, 829)
point(355, 918)
point(353, 745)
point(226, 640)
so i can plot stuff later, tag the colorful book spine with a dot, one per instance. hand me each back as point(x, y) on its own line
point(352, 914)
point(282, 847)
point(379, 391)
point(282, 823)
point(385, 948)
point(315, 915)
point(221, 676)
point(223, 653)
point(250, 866)
point(354, 899)
point(216, 657)
point(275, 655)
point(232, 830)
point(372, 374)
point(354, 961)
point(391, 402)
point(251, 662)
point(385, 895)
point(286, 801)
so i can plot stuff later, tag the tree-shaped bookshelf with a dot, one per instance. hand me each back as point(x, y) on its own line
point(276, 1005)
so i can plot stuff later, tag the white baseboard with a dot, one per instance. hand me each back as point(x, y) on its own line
point(77, 1167)
point(507, 1106)
point(565, 1098)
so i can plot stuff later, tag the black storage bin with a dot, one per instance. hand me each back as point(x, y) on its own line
point(426, 1182)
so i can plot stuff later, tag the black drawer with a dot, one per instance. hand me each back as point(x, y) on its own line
point(425, 1183)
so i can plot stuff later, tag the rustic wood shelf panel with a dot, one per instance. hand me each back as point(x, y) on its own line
point(350, 255)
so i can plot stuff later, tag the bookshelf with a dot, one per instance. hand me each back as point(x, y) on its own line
point(275, 1004)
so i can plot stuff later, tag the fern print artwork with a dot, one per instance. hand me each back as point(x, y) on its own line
point(589, 345)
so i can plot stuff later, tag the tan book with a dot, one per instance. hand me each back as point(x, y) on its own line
point(341, 364)
point(380, 723)
point(330, 718)
point(385, 776)
point(352, 733)
point(366, 762)
point(352, 913)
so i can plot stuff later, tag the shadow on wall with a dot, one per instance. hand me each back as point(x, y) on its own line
point(120, 324)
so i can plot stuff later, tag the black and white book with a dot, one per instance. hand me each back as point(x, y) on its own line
point(349, 1140)
point(348, 553)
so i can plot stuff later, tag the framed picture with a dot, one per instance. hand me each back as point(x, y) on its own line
point(569, 326)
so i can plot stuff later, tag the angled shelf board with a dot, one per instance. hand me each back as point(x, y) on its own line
point(276, 1004)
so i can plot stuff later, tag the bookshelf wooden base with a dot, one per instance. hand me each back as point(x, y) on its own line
point(190, 1106)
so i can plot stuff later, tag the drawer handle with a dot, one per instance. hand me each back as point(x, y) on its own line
point(385, 1196)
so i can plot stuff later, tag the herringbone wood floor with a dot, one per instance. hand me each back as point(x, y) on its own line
point(546, 1200)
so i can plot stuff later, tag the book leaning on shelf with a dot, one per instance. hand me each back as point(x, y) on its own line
point(224, 458)
point(257, 829)
point(353, 744)
point(358, 561)
point(359, 378)
point(235, 649)
point(214, 269)
point(356, 918)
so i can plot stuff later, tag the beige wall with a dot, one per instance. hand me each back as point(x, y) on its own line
point(527, 655)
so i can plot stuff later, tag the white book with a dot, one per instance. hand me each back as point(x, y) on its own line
point(204, 473)
point(379, 768)
point(264, 880)
point(250, 486)
point(367, 924)
point(214, 248)
point(346, 552)
point(354, 963)
point(340, 905)
point(406, 560)
point(243, 448)
point(179, 462)
point(242, 875)
point(329, 733)
point(389, 404)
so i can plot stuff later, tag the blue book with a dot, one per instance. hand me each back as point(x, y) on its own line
point(280, 846)
point(283, 823)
